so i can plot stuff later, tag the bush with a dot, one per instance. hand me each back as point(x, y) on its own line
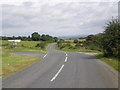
point(78, 45)
point(76, 41)
point(41, 45)
point(111, 38)
point(108, 42)
point(22, 45)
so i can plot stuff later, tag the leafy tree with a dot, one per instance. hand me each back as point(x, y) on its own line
point(41, 45)
point(29, 38)
point(19, 37)
point(43, 37)
point(55, 39)
point(13, 37)
point(108, 42)
point(60, 41)
point(111, 38)
point(35, 36)
point(76, 41)
point(47, 38)
point(78, 45)
point(90, 38)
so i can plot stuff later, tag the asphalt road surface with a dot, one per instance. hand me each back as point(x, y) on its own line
point(60, 69)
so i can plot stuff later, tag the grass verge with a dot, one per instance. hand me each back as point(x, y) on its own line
point(112, 61)
point(12, 62)
point(22, 49)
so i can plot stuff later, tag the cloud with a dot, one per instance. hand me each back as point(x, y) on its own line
point(56, 18)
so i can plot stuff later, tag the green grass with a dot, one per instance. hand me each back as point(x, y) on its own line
point(82, 49)
point(112, 61)
point(24, 43)
point(26, 46)
point(78, 40)
point(72, 44)
point(12, 62)
point(24, 49)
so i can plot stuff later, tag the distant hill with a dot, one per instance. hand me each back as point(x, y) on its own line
point(72, 37)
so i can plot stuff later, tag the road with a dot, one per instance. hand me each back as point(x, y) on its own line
point(60, 69)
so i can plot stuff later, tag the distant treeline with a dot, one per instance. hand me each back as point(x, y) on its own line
point(34, 37)
point(24, 38)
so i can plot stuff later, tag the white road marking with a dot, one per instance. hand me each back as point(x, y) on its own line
point(80, 52)
point(88, 53)
point(45, 55)
point(59, 69)
point(66, 54)
point(57, 73)
point(66, 59)
point(91, 53)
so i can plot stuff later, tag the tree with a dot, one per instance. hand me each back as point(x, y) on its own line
point(90, 38)
point(108, 42)
point(29, 38)
point(55, 39)
point(111, 38)
point(47, 38)
point(61, 41)
point(76, 41)
point(41, 45)
point(35, 36)
point(43, 37)
point(78, 45)
point(14, 37)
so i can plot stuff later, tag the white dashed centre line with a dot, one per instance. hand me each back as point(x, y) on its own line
point(45, 55)
point(66, 54)
point(57, 73)
point(59, 69)
point(66, 59)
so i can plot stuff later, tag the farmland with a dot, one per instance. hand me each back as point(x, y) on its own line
point(12, 62)
point(69, 45)
point(26, 46)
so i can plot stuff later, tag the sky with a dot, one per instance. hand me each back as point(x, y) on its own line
point(56, 17)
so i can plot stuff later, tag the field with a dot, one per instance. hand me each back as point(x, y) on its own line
point(12, 62)
point(73, 45)
point(26, 46)
point(73, 40)
point(82, 49)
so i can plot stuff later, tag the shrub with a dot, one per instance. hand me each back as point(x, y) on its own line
point(41, 45)
point(78, 45)
point(76, 41)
